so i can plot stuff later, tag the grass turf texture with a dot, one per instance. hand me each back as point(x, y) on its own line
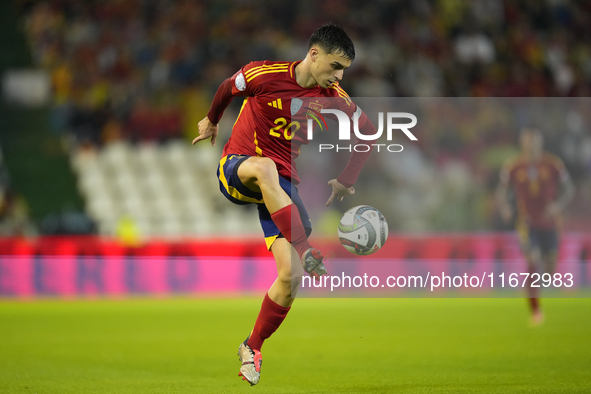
point(325, 346)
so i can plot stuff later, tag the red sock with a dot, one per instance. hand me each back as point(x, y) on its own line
point(292, 231)
point(534, 304)
point(532, 292)
point(270, 318)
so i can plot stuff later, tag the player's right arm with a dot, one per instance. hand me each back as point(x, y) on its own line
point(502, 193)
point(234, 86)
point(207, 129)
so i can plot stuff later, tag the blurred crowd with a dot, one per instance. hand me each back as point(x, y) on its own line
point(146, 70)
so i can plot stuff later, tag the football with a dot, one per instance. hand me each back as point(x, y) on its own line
point(363, 230)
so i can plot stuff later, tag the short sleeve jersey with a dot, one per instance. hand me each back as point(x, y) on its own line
point(536, 185)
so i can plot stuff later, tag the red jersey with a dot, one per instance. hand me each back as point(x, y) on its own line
point(536, 185)
point(272, 120)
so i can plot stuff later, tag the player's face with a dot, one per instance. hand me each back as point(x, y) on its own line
point(328, 68)
point(531, 142)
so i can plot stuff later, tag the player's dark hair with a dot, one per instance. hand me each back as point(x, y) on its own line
point(333, 39)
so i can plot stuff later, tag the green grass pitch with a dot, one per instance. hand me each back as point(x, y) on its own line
point(188, 345)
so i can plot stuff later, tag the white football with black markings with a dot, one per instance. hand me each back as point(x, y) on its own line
point(363, 230)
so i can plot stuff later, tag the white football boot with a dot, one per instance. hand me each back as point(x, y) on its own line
point(251, 363)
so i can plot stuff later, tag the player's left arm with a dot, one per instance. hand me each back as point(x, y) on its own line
point(343, 185)
point(566, 192)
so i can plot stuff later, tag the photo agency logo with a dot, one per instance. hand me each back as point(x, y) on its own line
point(344, 122)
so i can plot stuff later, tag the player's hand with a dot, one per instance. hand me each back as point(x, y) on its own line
point(552, 210)
point(506, 213)
point(206, 130)
point(338, 191)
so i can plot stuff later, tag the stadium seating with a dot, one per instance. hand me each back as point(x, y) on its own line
point(160, 189)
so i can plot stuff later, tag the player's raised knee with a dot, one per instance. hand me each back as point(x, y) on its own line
point(265, 168)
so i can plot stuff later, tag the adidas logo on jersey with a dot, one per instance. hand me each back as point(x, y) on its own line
point(275, 104)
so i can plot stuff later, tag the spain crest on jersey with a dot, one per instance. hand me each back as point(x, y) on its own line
point(313, 106)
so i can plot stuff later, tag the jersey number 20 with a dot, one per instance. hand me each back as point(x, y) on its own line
point(288, 129)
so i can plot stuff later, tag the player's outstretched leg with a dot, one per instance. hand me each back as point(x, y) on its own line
point(537, 316)
point(274, 309)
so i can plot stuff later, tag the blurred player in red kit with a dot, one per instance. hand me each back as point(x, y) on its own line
point(543, 189)
point(257, 164)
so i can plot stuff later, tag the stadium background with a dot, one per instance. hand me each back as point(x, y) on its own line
point(102, 194)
